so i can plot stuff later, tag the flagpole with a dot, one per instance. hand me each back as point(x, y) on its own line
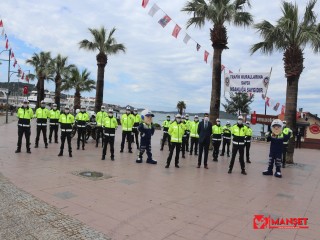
point(265, 103)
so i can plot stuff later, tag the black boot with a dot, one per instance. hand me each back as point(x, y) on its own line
point(70, 154)
point(18, 150)
point(60, 153)
point(103, 157)
point(28, 150)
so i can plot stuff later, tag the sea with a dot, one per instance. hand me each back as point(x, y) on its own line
point(159, 117)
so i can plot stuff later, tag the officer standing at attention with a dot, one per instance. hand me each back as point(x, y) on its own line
point(187, 122)
point(127, 121)
point(238, 132)
point(226, 134)
point(137, 121)
point(100, 121)
point(176, 131)
point(194, 135)
point(66, 121)
point(82, 119)
point(110, 125)
point(166, 136)
point(248, 141)
point(216, 139)
point(54, 115)
point(285, 131)
point(184, 137)
point(24, 114)
point(204, 131)
point(42, 115)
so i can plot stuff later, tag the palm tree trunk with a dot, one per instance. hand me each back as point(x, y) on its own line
point(40, 93)
point(77, 100)
point(291, 111)
point(57, 94)
point(101, 62)
point(216, 85)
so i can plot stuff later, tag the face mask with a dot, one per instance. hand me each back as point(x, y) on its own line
point(54, 108)
point(83, 110)
point(110, 114)
point(168, 119)
point(187, 118)
point(178, 120)
point(135, 113)
point(206, 119)
point(25, 105)
point(66, 111)
point(218, 123)
point(42, 105)
point(284, 125)
point(196, 120)
point(102, 109)
point(239, 122)
point(128, 112)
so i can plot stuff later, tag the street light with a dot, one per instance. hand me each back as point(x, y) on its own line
point(8, 93)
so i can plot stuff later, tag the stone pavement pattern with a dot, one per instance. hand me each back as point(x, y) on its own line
point(142, 201)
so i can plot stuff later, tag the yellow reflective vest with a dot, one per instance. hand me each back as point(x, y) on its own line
point(42, 114)
point(100, 118)
point(194, 129)
point(127, 122)
point(54, 116)
point(24, 115)
point(176, 131)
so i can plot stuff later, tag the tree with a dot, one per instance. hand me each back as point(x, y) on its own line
point(80, 82)
point(181, 106)
point(107, 45)
point(290, 35)
point(62, 70)
point(238, 103)
point(43, 66)
point(217, 13)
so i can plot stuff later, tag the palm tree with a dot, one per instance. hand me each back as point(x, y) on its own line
point(80, 82)
point(107, 45)
point(290, 36)
point(181, 106)
point(43, 66)
point(217, 13)
point(239, 103)
point(62, 70)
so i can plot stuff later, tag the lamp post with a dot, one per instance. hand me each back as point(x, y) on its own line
point(9, 58)
point(8, 93)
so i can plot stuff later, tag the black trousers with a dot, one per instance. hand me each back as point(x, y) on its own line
point(166, 137)
point(135, 136)
point(126, 134)
point(108, 140)
point(187, 140)
point(145, 147)
point(298, 142)
point(184, 145)
point(225, 142)
point(81, 136)
point(216, 145)
point(173, 146)
point(99, 133)
point(26, 132)
point(235, 149)
point(247, 146)
point(54, 129)
point(284, 153)
point(42, 129)
point(274, 159)
point(194, 142)
point(203, 147)
point(64, 136)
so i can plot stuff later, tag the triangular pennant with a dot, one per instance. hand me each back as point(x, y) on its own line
point(7, 44)
point(12, 54)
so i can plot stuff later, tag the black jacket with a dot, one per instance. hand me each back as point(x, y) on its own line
point(204, 134)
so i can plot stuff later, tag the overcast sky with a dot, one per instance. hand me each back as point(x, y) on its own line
point(157, 70)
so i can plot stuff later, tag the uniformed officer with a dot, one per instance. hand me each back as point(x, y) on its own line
point(100, 121)
point(194, 135)
point(286, 131)
point(42, 115)
point(166, 136)
point(226, 134)
point(54, 115)
point(24, 114)
point(110, 125)
point(248, 141)
point(187, 123)
point(66, 121)
point(136, 123)
point(82, 118)
point(238, 133)
point(127, 121)
point(216, 139)
point(184, 137)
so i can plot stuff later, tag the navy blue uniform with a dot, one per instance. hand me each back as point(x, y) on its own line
point(146, 131)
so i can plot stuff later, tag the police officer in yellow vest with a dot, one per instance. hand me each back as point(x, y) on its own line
point(194, 135)
point(127, 121)
point(248, 141)
point(176, 131)
point(66, 121)
point(82, 118)
point(185, 136)
point(110, 125)
point(285, 131)
point(24, 114)
point(42, 115)
point(100, 121)
point(166, 136)
point(135, 132)
point(226, 135)
point(238, 133)
point(216, 139)
point(187, 122)
point(54, 115)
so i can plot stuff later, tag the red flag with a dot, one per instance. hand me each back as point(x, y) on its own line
point(222, 67)
point(1, 23)
point(7, 44)
point(176, 31)
point(12, 54)
point(206, 54)
point(25, 90)
point(230, 71)
point(268, 101)
point(22, 75)
point(15, 62)
point(164, 21)
point(283, 108)
point(144, 3)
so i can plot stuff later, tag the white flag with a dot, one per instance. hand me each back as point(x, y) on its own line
point(2, 33)
point(186, 38)
point(153, 10)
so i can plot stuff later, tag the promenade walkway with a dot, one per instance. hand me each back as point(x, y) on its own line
point(148, 202)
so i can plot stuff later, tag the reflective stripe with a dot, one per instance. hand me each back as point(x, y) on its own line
point(109, 134)
point(227, 137)
point(66, 130)
point(216, 139)
point(54, 123)
point(23, 125)
point(134, 127)
point(248, 141)
point(41, 124)
point(165, 131)
point(81, 126)
point(238, 143)
point(285, 143)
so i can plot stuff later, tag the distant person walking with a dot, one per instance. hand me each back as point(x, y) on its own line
point(204, 131)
